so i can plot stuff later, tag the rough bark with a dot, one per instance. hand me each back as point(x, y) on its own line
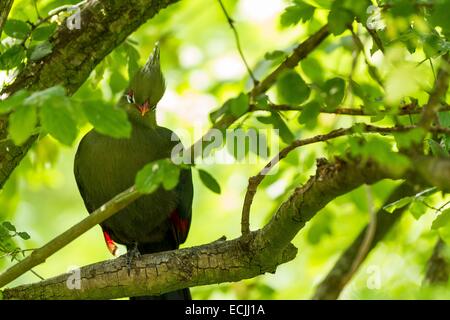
point(5, 7)
point(104, 25)
point(259, 252)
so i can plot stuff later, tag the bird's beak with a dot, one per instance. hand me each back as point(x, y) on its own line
point(144, 108)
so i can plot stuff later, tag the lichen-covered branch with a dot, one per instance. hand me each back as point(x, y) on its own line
point(256, 253)
point(424, 164)
point(40, 255)
point(75, 53)
point(5, 7)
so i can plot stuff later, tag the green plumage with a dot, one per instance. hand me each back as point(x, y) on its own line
point(105, 166)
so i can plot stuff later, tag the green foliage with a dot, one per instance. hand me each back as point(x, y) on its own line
point(41, 50)
point(441, 220)
point(22, 123)
point(12, 57)
point(17, 28)
point(157, 173)
point(297, 12)
point(107, 119)
point(292, 89)
point(44, 32)
point(209, 181)
point(56, 119)
point(334, 90)
point(203, 71)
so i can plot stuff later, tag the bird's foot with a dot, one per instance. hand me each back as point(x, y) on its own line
point(132, 254)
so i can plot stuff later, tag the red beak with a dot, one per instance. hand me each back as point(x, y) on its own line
point(144, 108)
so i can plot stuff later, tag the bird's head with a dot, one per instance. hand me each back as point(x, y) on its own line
point(146, 88)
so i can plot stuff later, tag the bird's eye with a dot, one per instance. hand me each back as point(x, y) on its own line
point(130, 97)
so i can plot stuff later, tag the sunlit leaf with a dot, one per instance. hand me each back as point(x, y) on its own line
point(107, 119)
point(209, 181)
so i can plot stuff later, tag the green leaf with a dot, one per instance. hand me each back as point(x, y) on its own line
point(216, 114)
point(417, 208)
point(334, 90)
point(39, 98)
point(153, 174)
point(41, 50)
point(209, 181)
point(262, 101)
point(12, 57)
point(9, 226)
point(292, 89)
point(239, 105)
point(312, 69)
point(444, 119)
point(44, 32)
point(441, 220)
point(275, 55)
point(171, 177)
point(439, 15)
point(17, 28)
point(13, 101)
point(391, 207)
point(437, 149)
point(147, 179)
point(296, 13)
point(57, 120)
point(22, 123)
point(24, 235)
point(117, 82)
point(309, 114)
point(108, 120)
point(133, 59)
point(406, 139)
point(285, 133)
point(339, 19)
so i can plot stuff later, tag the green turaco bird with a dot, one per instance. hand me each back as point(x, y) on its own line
point(105, 166)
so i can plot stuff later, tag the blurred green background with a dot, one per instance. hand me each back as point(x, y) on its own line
point(203, 69)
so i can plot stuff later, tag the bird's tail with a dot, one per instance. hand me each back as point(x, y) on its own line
point(182, 294)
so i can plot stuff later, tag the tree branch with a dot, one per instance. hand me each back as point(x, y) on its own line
point(67, 237)
point(39, 256)
point(5, 8)
point(331, 286)
point(245, 257)
point(104, 25)
point(300, 53)
point(404, 110)
point(424, 163)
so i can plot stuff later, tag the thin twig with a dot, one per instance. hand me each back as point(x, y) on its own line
point(375, 38)
point(299, 53)
point(407, 109)
point(40, 255)
point(130, 195)
point(256, 180)
point(238, 42)
point(439, 91)
point(373, 72)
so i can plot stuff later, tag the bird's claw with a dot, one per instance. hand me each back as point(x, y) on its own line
point(131, 256)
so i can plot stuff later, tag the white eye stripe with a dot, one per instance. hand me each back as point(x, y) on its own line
point(130, 98)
